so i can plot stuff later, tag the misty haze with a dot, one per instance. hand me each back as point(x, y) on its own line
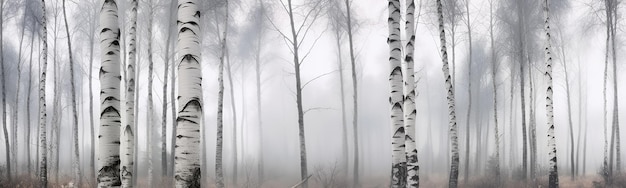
point(312, 93)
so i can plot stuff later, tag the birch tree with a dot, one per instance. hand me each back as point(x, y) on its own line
point(128, 133)
point(355, 109)
point(187, 171)
point(43, 160)
point(454, 166)
point(553, 178)
point(150, 112)
point(76, 161)
point(494, 69)
point(110, 79)
point(410, 110)
point(219, 172)
point(398, 159)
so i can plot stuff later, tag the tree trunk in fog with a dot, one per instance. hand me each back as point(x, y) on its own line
point(398, 165)
point(4, 102)
point(344, 126)
point(494, 69)
point(127, 171)
point(469, 92)
point(615, 90)
point(43, 161)
point(355, 114)
point(257, 60)
point(553, 181)
point(28, 102)
point(409, 99)
point(76, 161)
point(173, 64)
point(234, 113)
point(14, 115)
point(522, 99)
point(110, 78)
point(605, 164)
point(533, 124)
point(92, 159)
point(187, 154)
point(219, 172)
point(454, 166)
point(164, 160)
point(150, 113)
point(569, 115)
point(580, 121)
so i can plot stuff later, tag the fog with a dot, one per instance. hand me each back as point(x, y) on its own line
point(579, 41)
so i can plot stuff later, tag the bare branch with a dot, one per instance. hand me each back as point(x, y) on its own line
point(317, 77)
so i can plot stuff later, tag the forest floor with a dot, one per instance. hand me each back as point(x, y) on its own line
point(591, 181)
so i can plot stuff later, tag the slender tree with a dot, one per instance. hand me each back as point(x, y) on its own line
point(409, 98)
point(494, 69)
point(219, 172)
point(187, 155)
point(128, 132)
point(355, 96)
point(16, 106)
point(4, 103)
point(110, 79)
point(76, 162)
point(553, 178)
point(150, 112)
point(28, 97)
point(454, 166)
point(43, 160)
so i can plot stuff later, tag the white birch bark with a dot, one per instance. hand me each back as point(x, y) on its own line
point(110, 79)
point(219, 172)
point(128, 133)
point(150, 112)
point(76, 160)
point(409, 99)
point(553, 178)
point(454, 165)
point(398, 164)
point(617, 142)
point(43, 161)
point(187, 154)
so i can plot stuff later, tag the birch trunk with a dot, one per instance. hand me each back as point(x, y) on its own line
point(92, 161)
point(187, 155)
point(454, 167)
point(219, 172)
point(110, 79)
point(43, 161)
point(553, 178)
point(76, 160)
point(38, 129)
point(522, 46)
point(605, 164)
point(150, 113)
point(355, 109)
point(173, 65)
point(409, 99)
point(127, 171)
point(494, 69)
point(398, 158)
point(4, 102)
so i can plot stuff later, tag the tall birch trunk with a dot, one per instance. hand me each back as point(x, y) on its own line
point(494, 69)
point(615, 90)
point(469, 104)
point(553, 178)
point(92, 157)
point(355, 114)
point(173, 65)
point(187, 155)
point(150, 113)
point(76, 160)
point(409, 99)
point(398, 157)
point(522, 46)
point(605, 164)
point(43, 161)
point(454, 166)
point(219, 172)
point(127, 171)
point(110, 79)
